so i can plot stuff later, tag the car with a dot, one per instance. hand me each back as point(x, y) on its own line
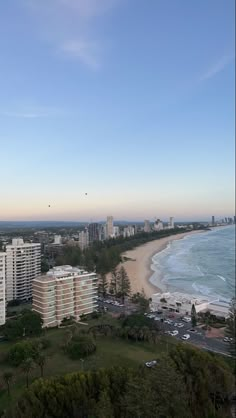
point(185, 337)
point(176, 324)
point(180, 325)
point(228, 340)
point(151, 363)
point(159, 312)
point(186, 319)
point(167, 321)
point(174, 333)
point(167, 332)
point(157, 319)
point(192, 330)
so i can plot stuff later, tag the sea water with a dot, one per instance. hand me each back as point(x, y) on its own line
point(201, 264)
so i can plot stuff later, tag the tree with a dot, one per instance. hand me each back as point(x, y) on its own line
point(141, 300)
point(230, 328)
point(26, 366)
point(31, 322)
point(40, 360)
point(193, 316)
point(7, 376)
point(22, 350)
point(114, 283)
point(102, 285)
point(124, 284)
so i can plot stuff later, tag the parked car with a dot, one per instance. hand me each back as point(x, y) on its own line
point(174, 333)
point(179, 325)
point(192, 330)
point(150, 364)
point(176, 324)
point(185, 337)
point(157, 318)
point(228, 340)
point(186, 319)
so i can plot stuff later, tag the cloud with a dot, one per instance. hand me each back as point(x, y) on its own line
point(86, 51)
point(72, 26)
point(31, 112)
point(218, 67)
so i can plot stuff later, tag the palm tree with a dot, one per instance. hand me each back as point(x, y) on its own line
point(40, 360)
point(7, 376)
point(27, 366)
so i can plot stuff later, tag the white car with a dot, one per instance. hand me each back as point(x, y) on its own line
point(228, 340)
point(151, 363)
point(185, 337)
point(186, 319)
point(176, 324)
point(157, 319)
point(180, 325)
point(174, 333)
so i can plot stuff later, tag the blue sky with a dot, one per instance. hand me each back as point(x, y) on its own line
point(130, 101)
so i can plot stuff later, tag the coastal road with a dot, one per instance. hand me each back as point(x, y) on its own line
point(199, 339)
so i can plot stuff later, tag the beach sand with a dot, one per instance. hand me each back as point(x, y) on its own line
point(138, 267)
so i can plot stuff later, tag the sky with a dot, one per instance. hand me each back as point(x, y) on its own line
point(129, 101)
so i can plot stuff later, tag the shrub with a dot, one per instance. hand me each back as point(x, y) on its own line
point(21, 351)
point(81, 346)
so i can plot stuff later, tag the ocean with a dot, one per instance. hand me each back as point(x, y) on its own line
point(201, 264)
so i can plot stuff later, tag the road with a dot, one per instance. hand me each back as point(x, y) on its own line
point(197, 338)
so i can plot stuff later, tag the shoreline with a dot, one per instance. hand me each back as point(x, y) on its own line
point(138, 267)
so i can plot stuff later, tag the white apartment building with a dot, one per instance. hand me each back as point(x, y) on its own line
point(179, 302)
point(23, 264)
point(171, 223)
point(128, 231)
point(158, 225)
point(2, 288)
point(83, 239)
point(63, 292)
point(57, 240)
point(147, 227)
point(110, 231)
point(116, 231)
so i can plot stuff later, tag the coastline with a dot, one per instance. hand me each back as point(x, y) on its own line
point(138, 267)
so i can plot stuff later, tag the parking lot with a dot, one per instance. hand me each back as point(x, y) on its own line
point(178, 328)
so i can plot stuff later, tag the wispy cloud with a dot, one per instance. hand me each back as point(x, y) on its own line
point(71, 26)
point(217, 67)
point(30, 112)
point(86, 51)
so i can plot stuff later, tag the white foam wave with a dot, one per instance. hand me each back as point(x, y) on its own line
point(204, 290)
point(221, 277)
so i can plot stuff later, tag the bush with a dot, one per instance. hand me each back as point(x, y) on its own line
point(44, 343)
point(81, 346)
point(21, 351)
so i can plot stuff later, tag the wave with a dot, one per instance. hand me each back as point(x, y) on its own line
point(221, 277)
point(204, 290)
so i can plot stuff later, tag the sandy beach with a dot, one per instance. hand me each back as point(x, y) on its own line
point(139, 266)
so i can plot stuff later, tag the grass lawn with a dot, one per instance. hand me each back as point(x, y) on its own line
point(110, 352)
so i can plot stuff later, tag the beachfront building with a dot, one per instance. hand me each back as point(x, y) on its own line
point(128, 231)
point(158, 225)
point(63, 292)
point(178, 302)
point(116, 231)
point(110, 232)
point(2, 288)
point(23, 264)
point(147, 226)
point(171, 223)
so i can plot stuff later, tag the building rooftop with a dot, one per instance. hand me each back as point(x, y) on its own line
point(182, 297)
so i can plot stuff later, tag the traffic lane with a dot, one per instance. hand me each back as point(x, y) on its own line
point(198, 338)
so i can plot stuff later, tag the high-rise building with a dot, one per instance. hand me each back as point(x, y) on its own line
point(84, 239)
point(158, 225)
point(110, 232)
point(171, 224)
point(57, 240)
point(63, 292)
point(147, 227)
point(23, 264)
point(212, 220)
point(2, 288)
point(128, 231)
point(234, 219)
point(116, 231)
point(93, 230)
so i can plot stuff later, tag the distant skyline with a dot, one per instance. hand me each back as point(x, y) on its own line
point(129, 101)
